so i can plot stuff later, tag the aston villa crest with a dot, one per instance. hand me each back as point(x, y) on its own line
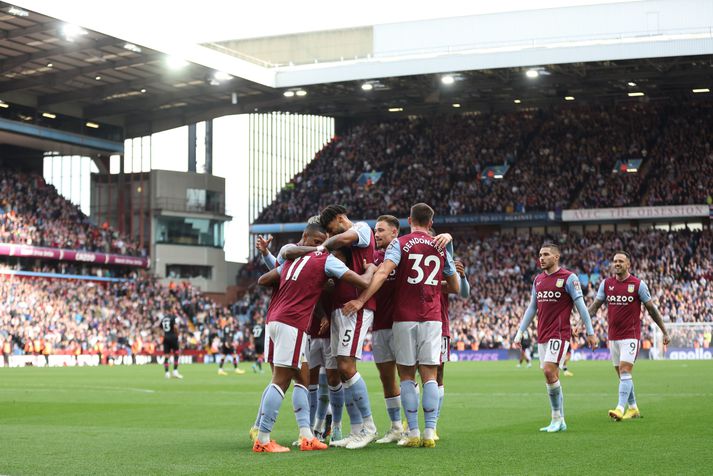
point(559, 283)
point(631, 288)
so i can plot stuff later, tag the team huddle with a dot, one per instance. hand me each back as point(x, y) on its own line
point(342, 279)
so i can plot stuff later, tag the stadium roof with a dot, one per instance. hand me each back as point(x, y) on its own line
point(55, 67)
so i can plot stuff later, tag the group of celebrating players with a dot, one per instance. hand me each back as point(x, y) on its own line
point(341, 279)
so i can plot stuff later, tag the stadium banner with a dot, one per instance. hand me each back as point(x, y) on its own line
point(33, 274)
point(93, 360)
point(479, 219)
point(689, 353)
point(493, 218)
point(26, 251)
point(636, 213)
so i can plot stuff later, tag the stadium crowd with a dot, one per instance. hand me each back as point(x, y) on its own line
point(68, 316)
point(561, 158)
point(33, 213)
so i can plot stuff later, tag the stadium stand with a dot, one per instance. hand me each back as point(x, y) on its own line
point(676, 265)
point(560, 158)
point(53, 314)
point(33, 213)
point(568, 153)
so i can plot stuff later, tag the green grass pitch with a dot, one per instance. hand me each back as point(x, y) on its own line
point(130, 420)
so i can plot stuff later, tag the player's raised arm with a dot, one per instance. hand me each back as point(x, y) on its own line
point(653, 311)
point(271, 278)
point(598, 301)
point(574, 288)
point(530, 313)
point(449, 271)
point(296, 251)
point(263, 244)
point(464, 284)
point(347, 238)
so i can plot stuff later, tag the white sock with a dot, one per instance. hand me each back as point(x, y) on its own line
point(414, 433)
point(397, 426)
point(263, 438)
point(306, 433)
point(429, 433)
point(356, 429)
point(369, 424)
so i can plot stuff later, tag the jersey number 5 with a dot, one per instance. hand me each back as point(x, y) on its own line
point(416, 266)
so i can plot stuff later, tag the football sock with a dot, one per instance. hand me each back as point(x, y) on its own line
point(360, 394)
point(632, 397)
point(270, 410)
point(259, 410)
point(355, 418)
point(626, 385)
point(393, 408)
point(175, 362)
point(165, 363)
point(322, 402)
point(336, 401)
point(312, 402)
point(441, 394)
point(222, 361)
point(429, 402)
point(409, 400)
point(555, 393)
point(301, 405)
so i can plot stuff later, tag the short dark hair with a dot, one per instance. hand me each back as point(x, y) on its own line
point(421, 214)
point(555, 248)
point(625, 253)
point(329, 213)
point(313, 228)
point(391, 220)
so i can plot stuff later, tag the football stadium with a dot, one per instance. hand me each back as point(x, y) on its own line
point(372, 237)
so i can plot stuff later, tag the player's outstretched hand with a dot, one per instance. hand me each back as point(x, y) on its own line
point(443, 239)
point(352, 307)
point(666, 339)
point(592, 341)
point(262, 244)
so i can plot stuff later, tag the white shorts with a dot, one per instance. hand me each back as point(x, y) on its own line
point(348, 332)
point(625, 350)
point(383, 346)
point(318, 352)
point(418, 342)
point(284, 344)
point(554, 351)
point(445, 349)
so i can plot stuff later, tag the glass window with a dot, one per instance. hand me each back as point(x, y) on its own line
point(189, 231)
point(188, 271)
point(195, 199)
